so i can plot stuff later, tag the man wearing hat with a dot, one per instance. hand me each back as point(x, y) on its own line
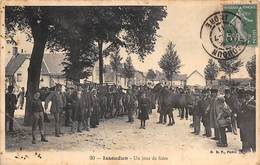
point(196, 111)
point(212, 113)
point(233, 103)
point(68, 108)
point(10, 107)
point(58, 100)
point(94, 119)
point(248, 122)
point(205, 118)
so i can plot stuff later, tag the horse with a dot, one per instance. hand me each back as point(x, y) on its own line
point(168, 100)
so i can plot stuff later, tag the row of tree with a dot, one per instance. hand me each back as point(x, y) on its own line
point(126, 69)
point(170, 63)
point(85, 34)
point(229, 67)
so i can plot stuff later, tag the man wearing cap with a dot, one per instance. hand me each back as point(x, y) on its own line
point(58, 102)
point(248, 122)
point(205, 117)
point(211, 109)
point(233, 103)
point(196, 111)
point(10, 107)
point(68, 108)
point(94, 119)
point(130, 105)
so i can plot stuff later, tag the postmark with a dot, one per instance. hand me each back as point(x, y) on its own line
point(220, 38)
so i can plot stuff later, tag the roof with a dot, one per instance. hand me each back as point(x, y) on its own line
point(15, 63)
point(195, 71)
point(51, 64)
point(179, 77)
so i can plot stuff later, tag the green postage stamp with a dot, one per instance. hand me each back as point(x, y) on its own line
point(244, 21)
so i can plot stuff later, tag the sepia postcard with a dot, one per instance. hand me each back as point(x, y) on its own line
point(129, 82)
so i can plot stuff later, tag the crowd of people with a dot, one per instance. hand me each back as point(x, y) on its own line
point(222, 111)
point(85, 105)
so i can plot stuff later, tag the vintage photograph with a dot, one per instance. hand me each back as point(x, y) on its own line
point(146, 84)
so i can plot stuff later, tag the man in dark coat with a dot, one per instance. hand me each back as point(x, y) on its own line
point(197, 112)
point(248, 122)
point(58, 104)
point(88, 109)
point(233, 103)
point(205, 117)
point(94, 119)
point(212, 113)
point(68, 108)
point(131, 106)
point(10, 107)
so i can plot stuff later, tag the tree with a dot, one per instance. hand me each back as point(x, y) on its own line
point(230, 67)
point(133, 28)
point(170, 62)
point(41, 24)
point(251, 67)
point(150, 75)
point(115, 62)
point(128, 69)
point(211, 70)
point(37, 20)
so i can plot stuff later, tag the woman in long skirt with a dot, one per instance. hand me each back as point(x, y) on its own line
point(144, 106)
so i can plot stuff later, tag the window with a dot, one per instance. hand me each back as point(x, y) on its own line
point(19, 77)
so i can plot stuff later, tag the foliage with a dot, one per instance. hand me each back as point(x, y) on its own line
point(151, 75)
point(170, 62)
point(128, 68)
point(115, 61)
point(230, 67)
point(251, 67)
point(211, 70)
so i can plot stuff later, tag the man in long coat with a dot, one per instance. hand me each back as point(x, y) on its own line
point(248, 122)
point(131, 106)
point(94, 118)
point(213, 114)
point(10, 107)
point(205, 117)
point(58, 100)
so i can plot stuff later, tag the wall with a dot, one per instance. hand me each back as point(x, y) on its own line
point(23, 70)
point(196, 79)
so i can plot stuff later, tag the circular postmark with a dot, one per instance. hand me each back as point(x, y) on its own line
point(221, 37)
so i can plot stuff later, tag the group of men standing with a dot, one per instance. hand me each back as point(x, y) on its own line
point(84, 106)
point(225, 113)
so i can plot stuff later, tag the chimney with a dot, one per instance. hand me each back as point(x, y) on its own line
point(15, 51)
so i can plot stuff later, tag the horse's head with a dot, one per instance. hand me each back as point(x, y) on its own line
point(157, 88)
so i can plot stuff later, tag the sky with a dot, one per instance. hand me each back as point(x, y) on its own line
point(181, 26)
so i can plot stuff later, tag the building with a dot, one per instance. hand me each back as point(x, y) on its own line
point(177, 79)
point(196, 79)
point(16, 70)
point(109, 77)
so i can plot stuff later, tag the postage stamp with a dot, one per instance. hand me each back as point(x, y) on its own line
point(245, 22)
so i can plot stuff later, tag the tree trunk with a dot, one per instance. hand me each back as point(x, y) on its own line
point(116, 78)
point(40, 34)
point(101, 62)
